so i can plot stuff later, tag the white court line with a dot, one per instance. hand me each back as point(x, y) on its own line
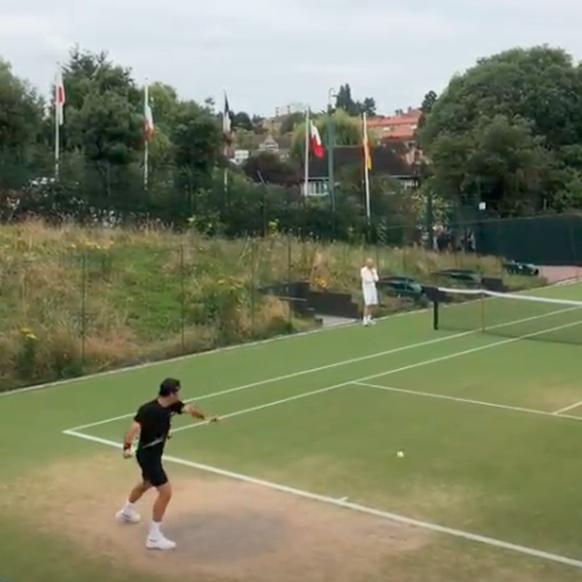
point(468, 401)
point(69, 381)
point(567, 408)
point(395, 371)
point(263, 406)
point(292, 375)
point(347, 362)
point(494, 542)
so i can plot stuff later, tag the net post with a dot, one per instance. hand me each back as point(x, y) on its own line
point(435, 310)
point(482, 301)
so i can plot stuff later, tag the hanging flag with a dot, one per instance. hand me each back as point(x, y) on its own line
point(227, 120)
point(367, 166)
point(148, 116)
point(316, 143)
point(366, 143)
point(59, 97)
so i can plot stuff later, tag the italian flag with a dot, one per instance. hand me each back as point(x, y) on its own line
point(59, 97)
point(148, 116)
point(316, 143)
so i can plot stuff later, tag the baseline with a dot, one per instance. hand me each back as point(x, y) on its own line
point(489, 541)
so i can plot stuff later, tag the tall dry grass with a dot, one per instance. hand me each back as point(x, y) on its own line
point(75, 300)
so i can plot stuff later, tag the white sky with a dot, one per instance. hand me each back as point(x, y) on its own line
point(267, 53)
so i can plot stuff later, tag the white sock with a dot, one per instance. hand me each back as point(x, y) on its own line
point(155, 530)
point(128, 507)
point(366, 318)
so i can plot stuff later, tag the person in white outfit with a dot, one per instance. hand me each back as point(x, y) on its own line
point(369, 276)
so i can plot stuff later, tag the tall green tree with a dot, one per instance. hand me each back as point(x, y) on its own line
point(242, 120)
point(21, 113)
point(347, 103)
point(347, 131)
point(104, 109)
point(531, 100)
point(426, 107)
point(196, 140)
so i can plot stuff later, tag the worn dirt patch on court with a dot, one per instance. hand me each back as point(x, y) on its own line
point(426, 497)
point(226, 530)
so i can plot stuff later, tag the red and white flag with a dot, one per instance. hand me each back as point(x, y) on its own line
point(148, 118)
point(316, 143)
point(59, 97)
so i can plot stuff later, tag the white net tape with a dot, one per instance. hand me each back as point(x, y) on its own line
point(477, 293)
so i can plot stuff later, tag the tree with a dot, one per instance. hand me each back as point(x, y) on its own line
point(428, 102)
point(291, 121)
point(368, 106)
point(107, 129)
point(347, 131)
point(241, 120)
point(101, 174)
point(267, 167)
point(531, 101)
point(501, 161)
point(196, 139)
point(345, 101)
point(245, 140)
point(104, 109)
point(426, 107)
point(21, 113)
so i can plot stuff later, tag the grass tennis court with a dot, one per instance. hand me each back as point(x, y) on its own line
point(302, 480)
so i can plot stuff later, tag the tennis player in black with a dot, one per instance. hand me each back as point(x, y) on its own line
point(153, 423)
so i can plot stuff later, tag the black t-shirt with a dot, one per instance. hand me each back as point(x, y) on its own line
point(155, 422)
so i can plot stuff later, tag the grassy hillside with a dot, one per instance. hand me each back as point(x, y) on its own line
point(78, 300)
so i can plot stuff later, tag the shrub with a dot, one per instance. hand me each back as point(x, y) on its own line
point(77, 300)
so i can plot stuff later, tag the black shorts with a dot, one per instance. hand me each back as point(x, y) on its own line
point(152, 470)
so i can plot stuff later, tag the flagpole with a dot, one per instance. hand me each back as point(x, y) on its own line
point(226, 129)
point(225, 177)
point(306, 164)
point(146, 151)
point(58, 116)
point(366, 166)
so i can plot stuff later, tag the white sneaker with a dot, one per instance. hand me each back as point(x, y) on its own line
point(160, 543)
point(372, 322)
point(127, 517)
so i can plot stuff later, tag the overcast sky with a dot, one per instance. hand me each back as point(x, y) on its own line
point(267, 53)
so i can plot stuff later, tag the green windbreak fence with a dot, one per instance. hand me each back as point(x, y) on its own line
point(544, 240)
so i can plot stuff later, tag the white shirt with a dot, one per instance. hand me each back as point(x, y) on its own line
point(369, 276)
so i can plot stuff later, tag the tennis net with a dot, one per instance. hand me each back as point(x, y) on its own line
point(508, 315)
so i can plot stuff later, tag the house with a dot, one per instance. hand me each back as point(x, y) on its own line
point(239, 157)
point(254, 144)
point(391, 159)
point(399, 127)
point(279, 146)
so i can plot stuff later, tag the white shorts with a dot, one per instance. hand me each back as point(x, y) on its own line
point(370, 294)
